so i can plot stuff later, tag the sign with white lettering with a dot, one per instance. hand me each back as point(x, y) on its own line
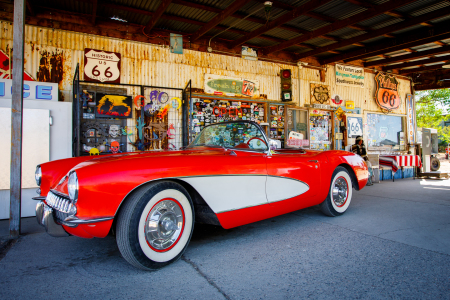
point(101, 66)
point(411, 118)
point(32, 90)
point(349, 76)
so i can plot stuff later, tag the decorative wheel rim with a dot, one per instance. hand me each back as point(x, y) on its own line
point(340, 191)
point(164, 225)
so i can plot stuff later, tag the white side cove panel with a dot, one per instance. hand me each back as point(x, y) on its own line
point(282, 188)
point(225, 193)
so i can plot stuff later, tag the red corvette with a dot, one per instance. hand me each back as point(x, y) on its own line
point(227, 176)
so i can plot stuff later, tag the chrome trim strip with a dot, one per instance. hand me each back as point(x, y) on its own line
point(40, 198)
point(60, 194)
point(72, 220)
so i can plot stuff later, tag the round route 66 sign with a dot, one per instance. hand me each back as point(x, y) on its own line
point(101, 66)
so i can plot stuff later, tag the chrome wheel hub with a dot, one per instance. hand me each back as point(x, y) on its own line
point(340, 191)
point(164, 225)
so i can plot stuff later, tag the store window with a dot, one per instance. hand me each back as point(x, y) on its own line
point(297, 128)
point(239, 135)
point(385, 131)
point(320, 123)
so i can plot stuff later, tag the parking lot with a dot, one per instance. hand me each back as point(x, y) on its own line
point(393, 242)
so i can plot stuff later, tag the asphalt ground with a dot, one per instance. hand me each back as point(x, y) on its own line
point(393, 242)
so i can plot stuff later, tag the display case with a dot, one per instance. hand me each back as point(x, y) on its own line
point(205, 111)
point(276, 120)
point(321, 128)
point(297, 129)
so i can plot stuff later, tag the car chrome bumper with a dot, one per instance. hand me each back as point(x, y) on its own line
point(45, 217)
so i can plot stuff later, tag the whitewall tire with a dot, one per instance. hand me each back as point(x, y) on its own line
point(155, 225)
point(339, 195)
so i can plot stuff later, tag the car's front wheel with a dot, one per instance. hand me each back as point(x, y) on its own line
point(155, 225)
point(339, 195)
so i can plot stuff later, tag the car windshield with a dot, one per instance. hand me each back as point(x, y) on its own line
point(233, 135)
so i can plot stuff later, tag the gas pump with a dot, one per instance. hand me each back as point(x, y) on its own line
point(430, 150)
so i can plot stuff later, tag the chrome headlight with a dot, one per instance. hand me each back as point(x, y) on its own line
point(72, 186)
point(38, 175)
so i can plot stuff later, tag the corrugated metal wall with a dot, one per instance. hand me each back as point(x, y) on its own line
point(154, 65)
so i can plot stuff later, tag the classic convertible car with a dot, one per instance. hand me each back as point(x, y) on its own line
point(228, 176)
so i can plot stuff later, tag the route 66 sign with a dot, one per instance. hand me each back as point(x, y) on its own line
point(101, 66)
point(386, 94)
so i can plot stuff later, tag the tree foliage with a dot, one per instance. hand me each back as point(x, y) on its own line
point(432, 109)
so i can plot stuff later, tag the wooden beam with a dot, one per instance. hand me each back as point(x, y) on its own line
point(407, 57)
point(159, 11)
point(295, 13)
point(219, 18)
point(440, 43)
point(433, 86)
point(30, 8)
point(412, 39)
point(409, 50)
point(370, 13)
point(420, 70)
point(94, 11)
point(385, 30)
point(417, 63)
point(15, 192)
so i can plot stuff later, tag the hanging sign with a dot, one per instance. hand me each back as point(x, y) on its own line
point(249, 53)
point(411, 118)
point(349, 76)
point(386, 94)
point(320, 93)
point(101, 66)
point(228, 86)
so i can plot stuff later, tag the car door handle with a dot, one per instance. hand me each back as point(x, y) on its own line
point(314, 161)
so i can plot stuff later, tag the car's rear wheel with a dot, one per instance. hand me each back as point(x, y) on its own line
point(155, 225)
point(339, 195)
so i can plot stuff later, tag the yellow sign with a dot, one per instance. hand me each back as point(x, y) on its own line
point(339, 112)
point(350, 104)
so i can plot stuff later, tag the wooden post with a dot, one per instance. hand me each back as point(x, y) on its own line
point(16, 120)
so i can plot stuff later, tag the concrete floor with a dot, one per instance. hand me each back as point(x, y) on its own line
point(393, 242)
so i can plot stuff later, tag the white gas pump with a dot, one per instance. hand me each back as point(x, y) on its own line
point(430, 150)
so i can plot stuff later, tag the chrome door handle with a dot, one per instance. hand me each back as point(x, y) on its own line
point(314, 161)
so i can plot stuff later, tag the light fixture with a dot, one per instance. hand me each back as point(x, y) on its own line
point(446, 65)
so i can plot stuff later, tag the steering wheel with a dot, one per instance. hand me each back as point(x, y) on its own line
point(248, 142)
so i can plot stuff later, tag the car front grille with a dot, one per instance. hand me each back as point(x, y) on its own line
point(62, 206)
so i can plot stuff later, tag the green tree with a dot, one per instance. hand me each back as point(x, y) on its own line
point(432, 109)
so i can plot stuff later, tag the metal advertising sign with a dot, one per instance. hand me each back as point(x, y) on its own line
point(411, 118)
point(320, 93)
point(228, 86)
point(101, 66)
point(386, 94)
point(355, 127)
point(349, 76)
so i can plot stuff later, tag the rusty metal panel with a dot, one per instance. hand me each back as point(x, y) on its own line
point(47, 49)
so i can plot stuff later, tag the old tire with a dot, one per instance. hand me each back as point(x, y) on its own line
point(435, 164)
point(339, 194)
point(155, 225)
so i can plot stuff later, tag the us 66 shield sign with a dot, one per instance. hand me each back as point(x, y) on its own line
point(101, 66)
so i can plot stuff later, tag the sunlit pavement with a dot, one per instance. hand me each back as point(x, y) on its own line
point(393, 242)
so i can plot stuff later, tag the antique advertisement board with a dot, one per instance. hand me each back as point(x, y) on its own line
point(320, 94)
point(229, 86)
point(411, 118)
point(101, 66)
point(349, 76)
point(386, 94)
